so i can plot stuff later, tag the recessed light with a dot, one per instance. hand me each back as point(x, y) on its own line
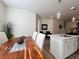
point(72, 8)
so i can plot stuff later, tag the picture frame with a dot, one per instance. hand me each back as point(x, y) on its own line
point(44, 26)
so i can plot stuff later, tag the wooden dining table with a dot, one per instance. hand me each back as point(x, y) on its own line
point(32, 51)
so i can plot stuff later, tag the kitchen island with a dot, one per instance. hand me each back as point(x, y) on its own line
point(62, 45)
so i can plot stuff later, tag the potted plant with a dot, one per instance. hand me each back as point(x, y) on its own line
point(8, 30)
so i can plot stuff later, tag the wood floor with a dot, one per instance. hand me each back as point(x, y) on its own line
point(48, 55)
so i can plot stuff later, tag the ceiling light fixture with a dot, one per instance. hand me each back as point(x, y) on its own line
point(73, 11)
point(72, 8)
point(59, 13)
point(73, 19)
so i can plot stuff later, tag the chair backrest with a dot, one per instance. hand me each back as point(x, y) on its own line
point(40, 40)
point(34, 36)
point(3, 38)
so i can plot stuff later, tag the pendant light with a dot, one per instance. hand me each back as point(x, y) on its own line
point(59, 13)
point(73, 19)
point(73, 11)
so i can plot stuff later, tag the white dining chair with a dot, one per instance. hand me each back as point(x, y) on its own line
point(40, 40)
point(34, 36)
point(3, 38)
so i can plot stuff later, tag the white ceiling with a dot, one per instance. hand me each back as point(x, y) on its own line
point(46, 8)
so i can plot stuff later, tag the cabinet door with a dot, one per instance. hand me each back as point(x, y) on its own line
point(74, 45)
point(65, 44)
point(67, 47)
point(78, 43)
point(70, 46)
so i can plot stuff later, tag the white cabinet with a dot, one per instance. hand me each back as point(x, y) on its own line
point(78, 43)
point(62, 47)
point(69, 46)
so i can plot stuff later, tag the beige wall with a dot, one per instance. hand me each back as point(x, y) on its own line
point(2, 14)
point(23, 21)
point(49, 22)
point(53, 25)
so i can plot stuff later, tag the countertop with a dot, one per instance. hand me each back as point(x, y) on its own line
point(63, 36)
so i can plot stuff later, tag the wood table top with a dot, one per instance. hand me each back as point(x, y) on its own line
point(31, 51)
